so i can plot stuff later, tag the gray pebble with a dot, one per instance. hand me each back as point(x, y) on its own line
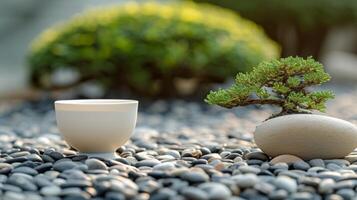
point(168, 166)
point(326, 186)
point(173, 153)
point(93, 163)
point(346, 193)
point(194, 193)
point(50, 190)
point(147, 163)
point(64, 165)
point(279, 195)
point(265, 188)
point(194, 177)
point(249, 169)
point(301, 165)
point(9, 195)
point(333, 166)
point(257, 156)
point(317, 163)
point(301, 196)
point(246, 180)
point(25, 170)
point(216, 191)
point(286, 183)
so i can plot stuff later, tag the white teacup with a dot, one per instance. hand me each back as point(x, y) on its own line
point(96, 127)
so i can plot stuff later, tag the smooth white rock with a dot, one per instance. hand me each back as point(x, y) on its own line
point(307, 136)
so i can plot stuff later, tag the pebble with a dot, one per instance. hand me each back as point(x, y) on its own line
point(317, 163)
point(216, 191)
point(249, 169)
point(194, 177)
point(194, 193)
point(257, 156)
point(346, 193)
point(50, 190)
point(5, 168)
point(326, 186)
point(93, 163)
point(25, 170)
point(147, 163)
point(301, 165)
point(285, 159)
point(168, 166)
point(286, 183)
point(246, 180)
point(44, 167)
point(64, 165)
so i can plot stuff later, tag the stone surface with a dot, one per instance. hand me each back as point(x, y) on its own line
point(201, 152)
point(284, 134)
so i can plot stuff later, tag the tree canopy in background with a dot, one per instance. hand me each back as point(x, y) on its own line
point(144, 47)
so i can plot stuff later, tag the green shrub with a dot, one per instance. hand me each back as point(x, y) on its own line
point(145, 47)
point(282, 82)
point(300, 26)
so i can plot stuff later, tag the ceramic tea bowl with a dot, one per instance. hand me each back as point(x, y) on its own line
point(98, 126)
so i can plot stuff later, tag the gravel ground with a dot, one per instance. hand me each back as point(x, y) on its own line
point(179, 150)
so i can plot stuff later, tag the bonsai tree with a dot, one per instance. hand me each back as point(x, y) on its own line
point(283, 82)
point(146, 47)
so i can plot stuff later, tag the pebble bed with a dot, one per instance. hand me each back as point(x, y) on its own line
point(179, 150)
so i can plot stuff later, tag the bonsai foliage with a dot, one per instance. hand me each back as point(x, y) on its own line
point(280, 82)
point(145, 46)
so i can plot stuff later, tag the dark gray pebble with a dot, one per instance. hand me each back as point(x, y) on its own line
point(44, 167)
point(256, 156)
point(301, 165)
point(64, 165)
point(79, 157)
point(25, 170)
point(18, 159)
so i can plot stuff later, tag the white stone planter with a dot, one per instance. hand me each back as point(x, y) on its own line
point(307, 136)
point(96, 127)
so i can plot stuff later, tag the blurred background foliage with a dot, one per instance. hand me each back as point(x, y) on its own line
point(172, 48)
point(300, 26)
point(148, 48)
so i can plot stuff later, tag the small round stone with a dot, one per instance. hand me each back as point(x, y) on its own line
point(216, 191)
point(249, 169)
point(52, 190)
point(44, 167)
point(286, 158)
point(64, 165)
point(286, 183)
point(317, 163)
point(194, 193)
point(56, 155)
point(246, 180)
point(168, 166)
point(5, 168)
point(147, 163)
point(257, 156)
point(194, 177)
point(25, 170)
point(93, 164)
point(301, 165)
